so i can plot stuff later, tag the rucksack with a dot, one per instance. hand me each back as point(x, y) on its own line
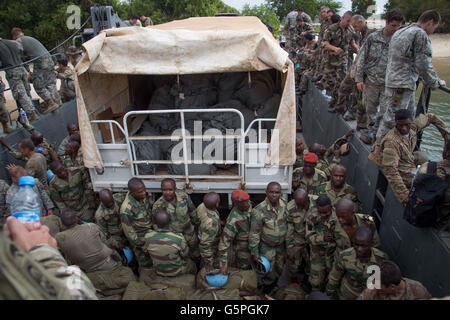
point(424, 207)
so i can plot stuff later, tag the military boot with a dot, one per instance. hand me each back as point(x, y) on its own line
point(52, 106)
point(32, 116)
point(6, 128)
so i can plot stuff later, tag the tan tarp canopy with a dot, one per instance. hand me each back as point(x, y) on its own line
point(190, 46)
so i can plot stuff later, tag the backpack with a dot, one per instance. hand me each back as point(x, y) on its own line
point(430, 189)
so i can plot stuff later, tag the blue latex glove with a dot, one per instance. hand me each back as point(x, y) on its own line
point(128, 254)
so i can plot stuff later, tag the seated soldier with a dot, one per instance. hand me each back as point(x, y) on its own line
point(71, 129)
point(320, 224)
point(308, 177)
point(83, 245)
point(136, 218)
point(107, 218)
point(348, 222)
point(73, 156)
point(206, 217)
point(337, 188)
point(348, 277)
point(300, 151)
point(394, 286)
point(71, 188)
point(168, 250)
point(235, 233)
point(179, 206)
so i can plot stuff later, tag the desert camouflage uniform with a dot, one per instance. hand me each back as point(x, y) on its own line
point(41, 273)
point(268, 230)
point(398, 157)
point(180, 220)
point(4, 208)
point(136, 220)
point(169, 252)
point(414, 290)
point(296, 237)
point(67, 89)
point(76, 193)
point(309, 184)
point(347, 192)
point(336, 65)
point(321, 251)
point(410, 55)
point(45, 202)
point(109, 223)
point(208, 223)
point(344, 242)
point(235, 237)
point(371, 69)
point(348, 277)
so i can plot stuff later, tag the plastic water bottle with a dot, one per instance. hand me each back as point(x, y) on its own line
point(23, 115)
point(25, 204)
point(415, 173)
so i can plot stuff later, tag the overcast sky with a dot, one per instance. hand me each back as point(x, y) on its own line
point(346, 4)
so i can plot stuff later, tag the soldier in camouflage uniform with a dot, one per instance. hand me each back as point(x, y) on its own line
point(168, 250)
point(71, 129)
point(235, 233)
point(320, 224)
point(337, 188)
point(136, 218)
point(300, 151)
point(348, 222)
point(336, 41)
point(71, 188)
point(301, 29)
point(370, 72)
point(4, 117)
point(410, 56)
point(290, 31)
point(179, 207)
point(107, 218)
point(207, 219)
point(348, 277)
point(74, 157)
point(318, 56)
point(308, 61)
point(33, 269)
point(297, 253)
point(308, 177)
point(3, 206)
point(268, 230)
point(65, 74)
point(397, 150)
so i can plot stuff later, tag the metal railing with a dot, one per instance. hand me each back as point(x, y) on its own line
point(259, 121)
point(111, 122)
point(184, 136)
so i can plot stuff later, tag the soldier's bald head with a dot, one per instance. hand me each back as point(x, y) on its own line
point(37, 138)
point(345, 205)
point(272, 184)
point(106, 197)
point(210, 200)
point(339, 169)
point(135, 183)
point(362, 233)
point(68, 217)
point(162, 218)
point(300, 194)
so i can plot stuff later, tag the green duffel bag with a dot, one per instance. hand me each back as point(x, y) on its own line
point(244, 280)
point(140, 291)
point(217, 294)
point(184, 281)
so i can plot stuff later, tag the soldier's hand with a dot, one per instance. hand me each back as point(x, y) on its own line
point(443, 83)
point(26, 236)
point(360, 86)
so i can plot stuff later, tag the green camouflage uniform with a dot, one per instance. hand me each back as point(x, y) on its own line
point(296, 237)
point(321, 251)
point(268, 230)
point(40, 274)
point(347, 192)
point(318, 57)
point(208, 223)
point(78, 162)
point(180, 219)
point(136, 222)
point(309, 184)
point(109, 223)
point(397, 154)
point(169, 252)
point(36, 165)
point(299, 159)
point(67, 89)
point(344, 242)
point(348, 277)
point(235, 237)
point(4, 187)
point(75, 193)
point(48, 149)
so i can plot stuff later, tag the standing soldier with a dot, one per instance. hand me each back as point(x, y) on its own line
point(44, 77)
point(410, 56)
point(370, 72)
point(72, 189)
point(4, 116)
point(65, 74)
point(290, 30)
point(136, 218)
point(107, 218)
point(17, 77)
point(320, 224)
point(206, 217)
point(337, 188)
point(297, 254)
point(348, 222)
point(268, 229)
point(325, 22)
point(336, 41)
point(308, 177)
point(235, 233)
point(310, 50)
point(348, 278)
point(74, 55)
point(304, 16)
point(146, 21)
point(179, 206)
